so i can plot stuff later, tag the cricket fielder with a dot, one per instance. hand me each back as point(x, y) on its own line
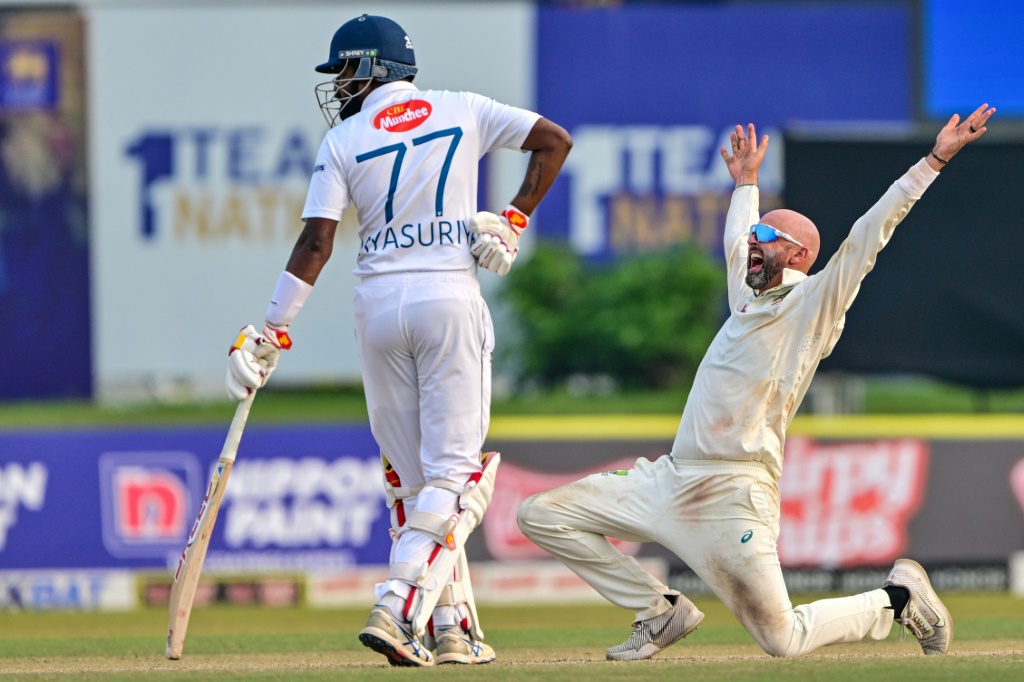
point(408, 159)
point(714, 501)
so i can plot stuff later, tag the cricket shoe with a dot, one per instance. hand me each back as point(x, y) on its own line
point(394, 638)
point(454, 645)
point(924, 616)
point(654, 634)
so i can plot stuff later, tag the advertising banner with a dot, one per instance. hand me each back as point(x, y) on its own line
point(297, 499)
point(860, 502)
point(650, 92)
point(203, 136)
point(44, 249)
point(310, 499)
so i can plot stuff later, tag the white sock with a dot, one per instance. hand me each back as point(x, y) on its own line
point(395, 604)
point(445, 616)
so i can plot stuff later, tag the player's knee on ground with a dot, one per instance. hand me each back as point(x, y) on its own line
point(778, 642)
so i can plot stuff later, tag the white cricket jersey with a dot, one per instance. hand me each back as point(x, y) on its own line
point(408, 161)
point(757, 370)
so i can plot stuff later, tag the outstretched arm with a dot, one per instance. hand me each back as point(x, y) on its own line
point(837, 284)
point(744, 161)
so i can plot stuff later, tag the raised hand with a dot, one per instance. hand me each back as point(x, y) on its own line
point(746, 155)
point(955, 135)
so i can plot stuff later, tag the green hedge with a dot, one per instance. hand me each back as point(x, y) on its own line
point(645, 320)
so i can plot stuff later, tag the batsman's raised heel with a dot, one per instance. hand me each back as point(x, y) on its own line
point(654, 634)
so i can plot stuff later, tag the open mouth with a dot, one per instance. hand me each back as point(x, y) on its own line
point(755, 261)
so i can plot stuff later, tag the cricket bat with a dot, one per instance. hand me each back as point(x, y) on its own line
point(186, 578)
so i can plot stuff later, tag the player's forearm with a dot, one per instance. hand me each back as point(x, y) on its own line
point(549, 145)
point(312, 249)
point(744, 206)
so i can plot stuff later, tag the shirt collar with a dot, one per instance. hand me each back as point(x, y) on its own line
point(790, 278)
point(386, 90)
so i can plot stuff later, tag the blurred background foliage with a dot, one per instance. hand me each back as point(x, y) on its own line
point(644, 321)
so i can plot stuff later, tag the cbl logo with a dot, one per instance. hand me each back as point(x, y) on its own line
point(146, 501)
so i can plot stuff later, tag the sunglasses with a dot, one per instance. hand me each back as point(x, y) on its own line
point(767, 233)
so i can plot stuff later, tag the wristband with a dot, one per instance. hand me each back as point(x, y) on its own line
point(936, 157)
point(289, 296)
point(277, 336)
point(517, 220)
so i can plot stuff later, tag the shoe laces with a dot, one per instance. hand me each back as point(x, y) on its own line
point(913, 621)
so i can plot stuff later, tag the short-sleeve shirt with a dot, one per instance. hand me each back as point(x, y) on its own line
point(409, 162)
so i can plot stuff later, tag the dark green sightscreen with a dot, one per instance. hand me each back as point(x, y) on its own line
point(942, 300)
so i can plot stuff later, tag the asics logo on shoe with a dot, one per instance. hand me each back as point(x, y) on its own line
point(410, 639)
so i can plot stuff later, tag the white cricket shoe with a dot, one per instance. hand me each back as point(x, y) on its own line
point(654, 634)
point(925, 616)
point(394, 638)
point(457, 646)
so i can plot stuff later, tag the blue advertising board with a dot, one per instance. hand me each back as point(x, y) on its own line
point(299, 498)
point(955, 85)
point(650, 93)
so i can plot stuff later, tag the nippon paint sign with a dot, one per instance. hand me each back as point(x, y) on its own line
point(297, 499)
point(22, 491)
point(200, 164)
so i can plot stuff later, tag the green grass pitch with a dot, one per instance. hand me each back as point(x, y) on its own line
point(533, 643)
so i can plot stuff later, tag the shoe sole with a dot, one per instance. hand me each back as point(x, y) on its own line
point(456, 659)
point(939, 606)
point(382, 645)
point(641, 656)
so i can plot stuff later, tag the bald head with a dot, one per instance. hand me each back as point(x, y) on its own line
point(800, 228)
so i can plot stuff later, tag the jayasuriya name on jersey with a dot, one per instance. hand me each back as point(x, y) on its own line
point(440, 233)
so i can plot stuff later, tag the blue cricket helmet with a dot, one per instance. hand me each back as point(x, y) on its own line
point(381, 45)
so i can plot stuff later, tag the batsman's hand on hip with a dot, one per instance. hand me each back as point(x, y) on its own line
point(497, 238)
point(253, 357)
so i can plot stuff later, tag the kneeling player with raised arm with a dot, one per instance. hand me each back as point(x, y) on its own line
point(714, 501)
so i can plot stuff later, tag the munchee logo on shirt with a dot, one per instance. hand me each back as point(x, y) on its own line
point(398, 118)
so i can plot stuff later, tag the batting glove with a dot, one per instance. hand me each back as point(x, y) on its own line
point(497, 238)
point(253, 358)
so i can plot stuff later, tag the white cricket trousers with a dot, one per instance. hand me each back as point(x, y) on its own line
point(425, 341)
point(722, 519)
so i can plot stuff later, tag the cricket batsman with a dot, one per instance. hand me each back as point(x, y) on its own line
point(714, 501)
point(408, 160)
